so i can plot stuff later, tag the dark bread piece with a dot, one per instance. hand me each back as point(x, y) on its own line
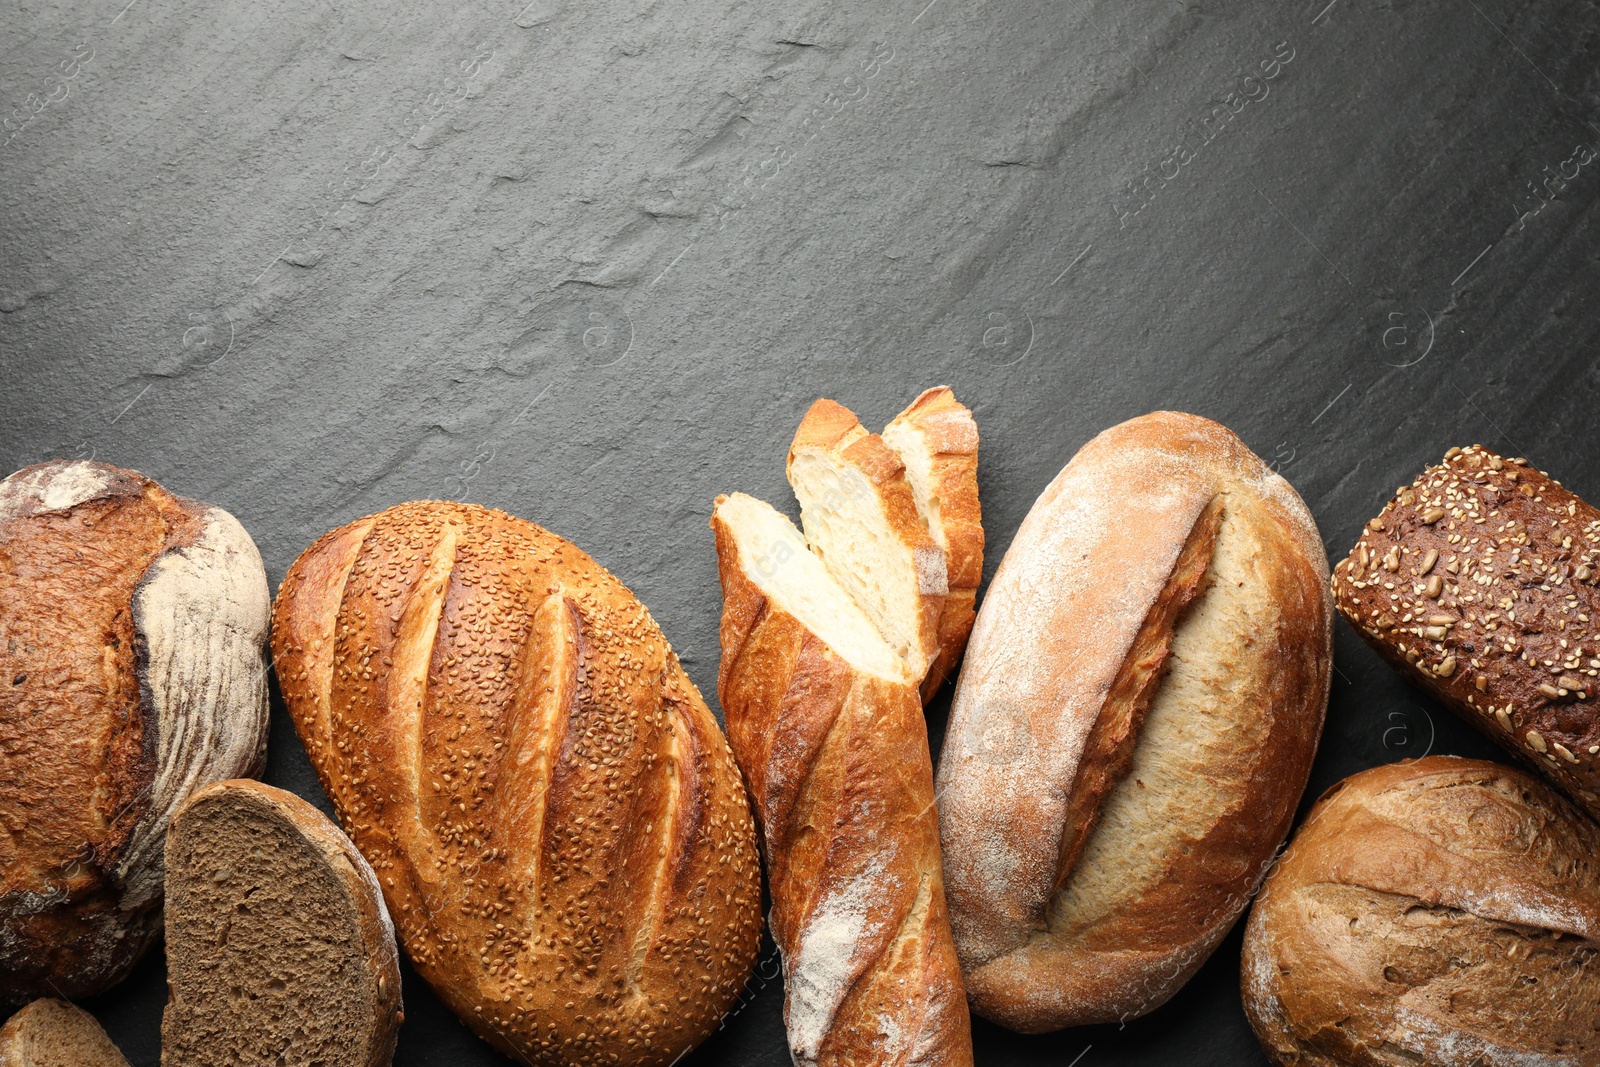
point(1441, 912)
point(556, 821)
point(1133, 725)
point(279, 949)
point(1478, 581)
point(54, 1033)
point(133, 628)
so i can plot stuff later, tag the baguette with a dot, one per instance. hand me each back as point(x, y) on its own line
point(1478, 581)
point(279, 948)
point(53, 1033)
point(554, 816)
point(861, 520)
point(1442, 911)
point(826, 723)
point(937, 440)
point(133, 630)
point(1134, 724)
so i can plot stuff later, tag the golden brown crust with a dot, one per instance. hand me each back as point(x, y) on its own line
point(1059, 918)
point(552, 812)
point(838, 768)
point(1478, 581)
point(380, 1018)
point(945, 430)
point(832, 428)
point(82, 546)
point(1442, 911)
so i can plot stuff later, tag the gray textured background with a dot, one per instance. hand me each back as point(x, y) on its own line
point(590, 261)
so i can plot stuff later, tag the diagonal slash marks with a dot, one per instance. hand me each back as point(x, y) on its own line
point(1474, 263)
point(1332, 402)
point(1513, 44)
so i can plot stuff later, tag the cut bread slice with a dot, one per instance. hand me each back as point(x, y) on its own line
point(53, 1033)
point(861, 520)
point(787, 574)
point(279, 949)
point(937, 440)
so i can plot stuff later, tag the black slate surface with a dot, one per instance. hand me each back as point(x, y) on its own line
point(590, 261)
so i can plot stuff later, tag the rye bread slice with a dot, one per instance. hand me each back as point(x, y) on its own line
point(279, 948)
point(54, 1033)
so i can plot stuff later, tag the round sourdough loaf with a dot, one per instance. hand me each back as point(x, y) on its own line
point(1442, 911)
point(552, 812)
point(133, 630)
point(1134, 724)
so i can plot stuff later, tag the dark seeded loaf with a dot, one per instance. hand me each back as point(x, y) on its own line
point(279, 949)
point(54, 1033)
point(1478, 581)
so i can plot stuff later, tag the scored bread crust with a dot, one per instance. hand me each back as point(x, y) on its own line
point(376, 933)
point(936, 431)
point(1491, 605)
point(133, 632)
point(836, 759)
point(1124, 634)
point(832, 433)
point(554, 816)
point(1442, 911)
point(54, 1033)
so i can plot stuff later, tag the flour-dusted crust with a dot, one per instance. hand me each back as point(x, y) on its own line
point(937, 439)
point(374, 1017)
point(1134, 723)
point(866, 473)
point(133, 630)
point(552, 812)
point(836, 758)
point(1442, 911)
point(53, 1033)
point(1481, 582)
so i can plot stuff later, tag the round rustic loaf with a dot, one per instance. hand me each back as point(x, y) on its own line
point(1442, 911)
point(552, 812)
point(133, 630)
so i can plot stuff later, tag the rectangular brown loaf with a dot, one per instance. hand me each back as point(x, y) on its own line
point(1478, 582)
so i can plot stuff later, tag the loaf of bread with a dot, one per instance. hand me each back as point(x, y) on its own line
point(279, 948)
point(53, 1033)
point(1441, 912)
point(1134, 724)
point(1479, 582)
point(826, 722)
point(553, 814)
point(937, 440)
point(861, 520)
point(133, 629)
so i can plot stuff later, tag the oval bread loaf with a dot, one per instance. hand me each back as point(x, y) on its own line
point(1442, 911)
point(552, 812)
point(133, 629)
point(1134, 723)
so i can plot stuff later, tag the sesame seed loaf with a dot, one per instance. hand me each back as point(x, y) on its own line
point(1441, 911)
point(54, 1033)
point(553, 814)
point(826, 722)
point(133, 632)
point(937, 440)
point(279, 950)
point(1134, 724)
point(1479, 582)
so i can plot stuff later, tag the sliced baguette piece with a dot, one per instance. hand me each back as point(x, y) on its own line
point(54, 1033)
point(861, 520)
point(827, 727)
point(937, 440)
point(279, 948)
